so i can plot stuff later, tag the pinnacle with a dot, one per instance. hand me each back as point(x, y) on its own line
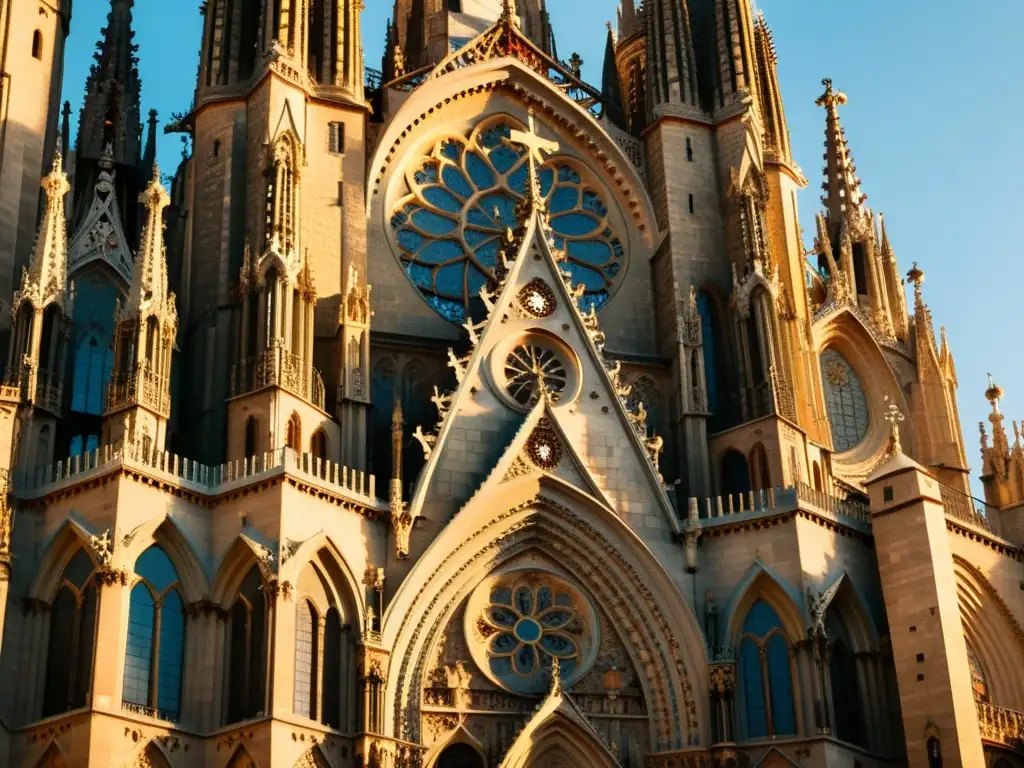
point(842, 187)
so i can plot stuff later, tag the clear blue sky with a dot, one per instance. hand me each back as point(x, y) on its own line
point(933, 119)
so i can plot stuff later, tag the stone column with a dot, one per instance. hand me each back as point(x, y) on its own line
point(281, 649)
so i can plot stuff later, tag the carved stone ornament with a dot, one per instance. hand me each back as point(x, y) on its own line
point(536, 299)
point(102, 548)
point(722, 678)
point(543, 448)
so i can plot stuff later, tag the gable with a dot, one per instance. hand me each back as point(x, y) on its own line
point(101, 236)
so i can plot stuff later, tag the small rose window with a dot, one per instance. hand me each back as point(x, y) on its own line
point(523, 622)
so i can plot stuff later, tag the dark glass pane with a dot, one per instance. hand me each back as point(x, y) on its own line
point(237, 663)
point(155, 567)
point(86, 639)
point(258, 658)
point(460, 756)
point(79, 569)
point(780, 679)
point(304, 661)
point(172, 654)
point(331, 713)
point(753, 690)
point(761, 620)
point(735, 473)
point(58, 658)
point(138, 657)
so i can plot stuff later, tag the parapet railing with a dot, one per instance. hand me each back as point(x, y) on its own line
point(784, 499)
point(1000, 725)
point(968, 509)
point(276, 365)
point(142, 386)
point(192, 475)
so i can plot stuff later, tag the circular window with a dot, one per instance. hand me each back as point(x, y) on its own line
point(845, 401)
point(532, 369)
point(518, 622)
point(459, 200)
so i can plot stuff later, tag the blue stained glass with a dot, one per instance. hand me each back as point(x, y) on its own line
point(525, 659)
point(501, 616)
point(590, 279)
point(592, 251)
point(421, 276)
point(501, 665)
point(567, 174)
point(504, 159)
point(781, 681)
point(545, 598)
point(564, 199)
point(410, 241)
point(452, 150)
point(474, 237)
point(504, 642)
point(488, 254)
point(563, 599)
point(594, 204)
point(155, 567)
point(546, 176)
point(440, 251)
point(761, 620)
point(574, 224)
point(479, 171)
point(451, 310)
point(494, 137)
point(443, 199)
point(449, 280)
point(558, 645)
point(139, 652)
point(457, 181)
point(477, 218)
point(593, 301)
point(710, 339)
point(524, 601)
point(753, 690)
point(528, 630)
point(555, 619)
point(172, 653)
point(517, 180)
point(612, 270)
point(433, 224)
point(78, 569)
point(426, 175)
point(501, 595)
point(506, 209)
point(476, 280)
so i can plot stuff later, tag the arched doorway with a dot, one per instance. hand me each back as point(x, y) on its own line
point(735, 473)
point(460, 756)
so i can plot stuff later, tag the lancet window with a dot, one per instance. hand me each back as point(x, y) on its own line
point(766, 675)
point(247, 650)
point(72, 631)
point(461, 198)
point(156, 637)
point(842, 664)
point(282, 197)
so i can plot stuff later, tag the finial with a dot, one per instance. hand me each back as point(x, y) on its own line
point(536, 147)
point(915, 275)
point(994, 393)
point(107, 159)
point(895, 417)
point(830, 98)
point(509, 12)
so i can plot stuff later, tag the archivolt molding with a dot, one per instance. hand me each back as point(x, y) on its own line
point(762, 583)
point(165, 533)
point(541, 523)
point(349, 596)
point(994, 633)
point(62, 546)
point(430, 103)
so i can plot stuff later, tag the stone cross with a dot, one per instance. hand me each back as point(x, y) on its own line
point(895, 417)
point(535, 147)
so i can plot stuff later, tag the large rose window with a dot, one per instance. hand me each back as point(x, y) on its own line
point(520, 621)
point(461, 198)
point(845, 401)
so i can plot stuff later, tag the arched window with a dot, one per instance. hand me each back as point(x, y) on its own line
point(845, 401)
point(153, 343)
point(848, 724)
point(72, 630)
point(84, 444)
point(318, 445)
point(934, 753)
point(735, 473)
point(293, 433)
point(43, 457)
point(460, 756)
point(762, 478)
point(307, 660)
point(331, 712)
point(93, 360)
point(978, 680)
point(816, 469)
point(766, 675)
point(156, 637)
point(247, 670)
point(37, 45)
point(251, 436)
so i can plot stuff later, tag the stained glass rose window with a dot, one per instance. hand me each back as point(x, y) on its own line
point(461, 197)
point(520, 621)
point(845, 401)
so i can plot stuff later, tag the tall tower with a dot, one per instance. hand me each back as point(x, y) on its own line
point(41, 312)
point(277, 180)
point(32, 64)
point(138, 401)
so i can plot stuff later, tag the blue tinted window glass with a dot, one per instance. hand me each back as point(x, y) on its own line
point(304, 662)
point(753, 690)
point(761, 620)
point(139, 653)
point(155, 567)
point(172, 653)
point(710, 340)
point(79, 569)
point(781, 682)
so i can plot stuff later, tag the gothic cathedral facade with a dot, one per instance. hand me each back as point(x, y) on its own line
point(458, 413)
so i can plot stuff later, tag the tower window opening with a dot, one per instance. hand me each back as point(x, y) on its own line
point(689, 150)
point(690, 198)
point(216, 148)
point(336, 138)
point(860, 269)
point(37, 45)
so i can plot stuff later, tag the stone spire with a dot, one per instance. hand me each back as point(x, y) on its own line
point(893, 285)
point(842, 196)
point(44, 281)
point(776, 131)
point(671, 62)
point(149, 154)
point(630, 22)
point(611, 86)
point(149, 290)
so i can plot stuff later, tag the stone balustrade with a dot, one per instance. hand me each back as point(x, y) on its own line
point(967, 509)
point(721, 509)
point(1000, 725)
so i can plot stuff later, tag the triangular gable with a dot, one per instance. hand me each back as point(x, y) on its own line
point(286, 124)
point(775, 758)
point(534, 299)
point(101, 236)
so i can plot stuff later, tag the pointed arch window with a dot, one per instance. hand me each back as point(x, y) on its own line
point(293, 433)
point(735, 473)
point(307, 660)
point(282, 194)
point(766, 675)
point(848, 723)
point(72, 633)
point(762, 474)
point(251, 436)
point(247, 650)
point(332, 682)
point(93, 361)
point(37, 45)
point(318, 445)
point(156, 637)
point(979, 682)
